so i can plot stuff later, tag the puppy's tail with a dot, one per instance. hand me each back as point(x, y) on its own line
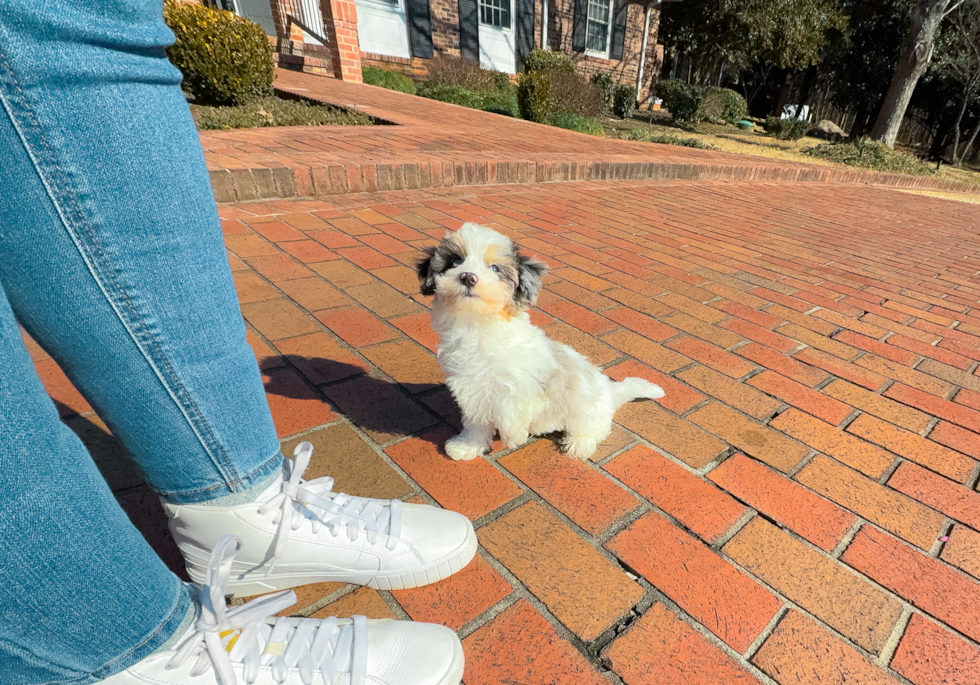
point(635, 388)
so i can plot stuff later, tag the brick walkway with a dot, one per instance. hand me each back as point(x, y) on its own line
point(799, 508)
point(438, 145)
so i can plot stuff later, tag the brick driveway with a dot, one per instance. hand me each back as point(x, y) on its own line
point(799, 508)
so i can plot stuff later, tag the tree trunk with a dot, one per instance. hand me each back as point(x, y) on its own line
point(956, 125)
point(913, 60)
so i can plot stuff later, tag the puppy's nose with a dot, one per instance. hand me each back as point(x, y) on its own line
point(468, 279)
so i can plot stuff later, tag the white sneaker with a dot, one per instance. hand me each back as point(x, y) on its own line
point(245, 644)
point(299, 532)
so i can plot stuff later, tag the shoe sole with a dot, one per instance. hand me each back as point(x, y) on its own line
point(455, 674)
point(257, 584)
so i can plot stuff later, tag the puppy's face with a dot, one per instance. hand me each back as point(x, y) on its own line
point(480, 271)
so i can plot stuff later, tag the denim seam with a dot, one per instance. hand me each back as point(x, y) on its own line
point(245, 477)
point(76, 226)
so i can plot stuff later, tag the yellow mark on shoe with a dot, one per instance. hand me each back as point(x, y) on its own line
point(234, 638)
point(274, 649)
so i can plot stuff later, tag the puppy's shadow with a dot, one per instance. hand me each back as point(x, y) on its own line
point(384, 410)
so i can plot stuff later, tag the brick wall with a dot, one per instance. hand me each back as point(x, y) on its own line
point(295, 53)
point(624, 71)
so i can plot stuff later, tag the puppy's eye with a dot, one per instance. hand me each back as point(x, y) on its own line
point(494, 268)
point(457, 260)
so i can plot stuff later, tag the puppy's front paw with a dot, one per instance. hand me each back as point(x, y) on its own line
point(461, 450)
point(580, 447)
point(512, 440)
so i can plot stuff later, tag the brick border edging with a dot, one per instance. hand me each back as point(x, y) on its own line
point(264, 183)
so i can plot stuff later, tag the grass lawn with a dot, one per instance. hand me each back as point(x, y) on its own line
point(274, 111)
point(733, 140)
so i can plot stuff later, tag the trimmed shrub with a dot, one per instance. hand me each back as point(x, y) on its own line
point(870, 154)
point(604, 83)
point(275, 112)
point(455, 95)
point(691, 104)
point(225, 59)
point(501, 102)
point(681, 99)
point(574, 122)
point(624, 101)
point(786, 129)
point(484, 89)
point(548, 60)
point(388, 79)
point(498, 102)
point(458, 71)
point(725, 104)
point(541, 93)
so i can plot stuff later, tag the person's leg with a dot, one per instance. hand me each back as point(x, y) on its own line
point(110, 248)
point(82, 595)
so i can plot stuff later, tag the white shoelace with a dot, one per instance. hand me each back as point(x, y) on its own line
point(248, 635)
point(315, 501)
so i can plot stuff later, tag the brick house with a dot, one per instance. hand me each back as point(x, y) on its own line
point(618, 37)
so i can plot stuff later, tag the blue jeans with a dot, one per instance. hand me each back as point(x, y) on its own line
point(111, 257)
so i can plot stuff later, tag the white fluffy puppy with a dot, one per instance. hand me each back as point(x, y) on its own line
point(504, 373)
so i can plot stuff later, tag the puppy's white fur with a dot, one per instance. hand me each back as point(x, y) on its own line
point(505, 373)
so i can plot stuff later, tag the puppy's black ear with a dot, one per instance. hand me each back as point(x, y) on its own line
point(529, 274)
point(427, 279)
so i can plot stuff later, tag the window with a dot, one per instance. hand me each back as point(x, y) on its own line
point(495, 13)
point(597, 36)
point(229, 5)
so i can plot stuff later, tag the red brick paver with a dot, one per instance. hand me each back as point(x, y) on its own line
point(436, 145)
point(801, 507)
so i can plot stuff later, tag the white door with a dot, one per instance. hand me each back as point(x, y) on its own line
point(382, 27)
point(497, 42)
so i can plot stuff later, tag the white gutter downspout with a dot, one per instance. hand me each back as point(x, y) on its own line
point(544, 24)
point(643, 50)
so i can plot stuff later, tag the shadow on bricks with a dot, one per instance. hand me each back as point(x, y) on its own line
point(378, 407)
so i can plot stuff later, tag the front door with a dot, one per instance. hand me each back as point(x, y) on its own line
point(497, 43)
point(382, 27)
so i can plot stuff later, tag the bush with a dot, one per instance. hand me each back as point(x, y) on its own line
point(604, 83)
point(388, 79)
point(725, 104)
point(574, 122)
point(786, 129)
point(274, 112)
point(225, 59)
point(681, 99)
point(455, 95)
point(548, 60)
point(624, 101)
point(870, 154)
point(541, 93)
point(458, 71)
point(499, 102)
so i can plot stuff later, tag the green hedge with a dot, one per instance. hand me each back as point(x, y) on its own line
point(388, 79)
point(549, 60)
point(574, 122)
point(786, 129)
point(540, 93)
point(624, 101)
point(225, 59)
point(604, 83)
point(692, 104)
point(499, 102)
point(681, 99)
